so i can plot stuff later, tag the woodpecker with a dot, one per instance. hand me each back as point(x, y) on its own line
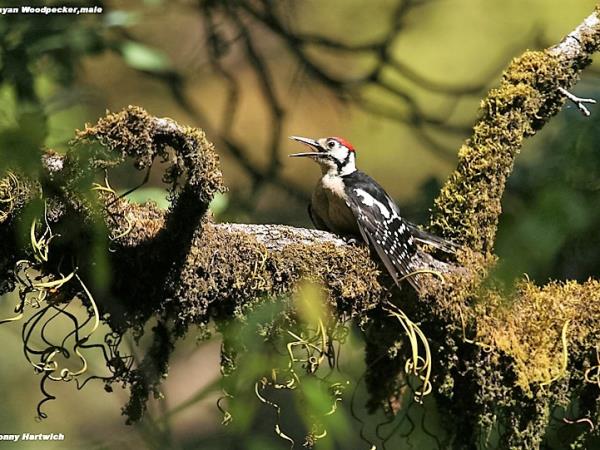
point(349, 202)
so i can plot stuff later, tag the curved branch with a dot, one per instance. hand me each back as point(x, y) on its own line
point(468, 206)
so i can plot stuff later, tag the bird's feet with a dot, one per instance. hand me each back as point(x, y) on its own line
point(351, 240)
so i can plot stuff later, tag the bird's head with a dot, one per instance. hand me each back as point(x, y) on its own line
point(334, 154)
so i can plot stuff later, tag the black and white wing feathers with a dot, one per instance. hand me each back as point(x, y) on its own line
point(382, 227)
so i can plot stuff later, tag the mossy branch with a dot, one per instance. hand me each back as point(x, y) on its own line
point(468, 206)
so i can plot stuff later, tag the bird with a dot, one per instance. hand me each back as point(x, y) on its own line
point(348, 202)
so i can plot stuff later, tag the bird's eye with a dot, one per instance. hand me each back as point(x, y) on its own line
point(331, 144)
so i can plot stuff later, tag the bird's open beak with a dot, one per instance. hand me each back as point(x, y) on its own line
point(306, 141)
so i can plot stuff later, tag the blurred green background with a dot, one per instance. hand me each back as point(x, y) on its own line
point(230, 70)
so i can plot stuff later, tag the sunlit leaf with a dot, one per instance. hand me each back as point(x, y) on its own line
point(310, 303)
point(20, 145)
point(120, 18)
point(154, 194)
point(219, 204)
point(142, 57)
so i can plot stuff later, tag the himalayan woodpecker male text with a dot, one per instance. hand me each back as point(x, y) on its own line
point(348, 202)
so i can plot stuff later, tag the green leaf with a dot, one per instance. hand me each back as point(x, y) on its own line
point(219, 204)
point(157, 195)
point(142, 57)
point(21, 144)
point(120, 18)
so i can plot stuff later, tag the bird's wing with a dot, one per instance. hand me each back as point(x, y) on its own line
point(430, 239)
point(382, 227)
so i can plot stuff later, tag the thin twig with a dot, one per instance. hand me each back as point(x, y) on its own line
point(579, 102)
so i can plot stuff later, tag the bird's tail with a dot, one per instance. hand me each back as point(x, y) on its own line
point(424, 268)
point(424, 265)
point(434, 241)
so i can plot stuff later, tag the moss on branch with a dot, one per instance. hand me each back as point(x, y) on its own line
point(468, 206)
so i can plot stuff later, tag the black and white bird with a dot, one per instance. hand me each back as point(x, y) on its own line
point(349, 202)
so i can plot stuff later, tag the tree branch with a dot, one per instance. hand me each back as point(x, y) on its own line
point(468, 206)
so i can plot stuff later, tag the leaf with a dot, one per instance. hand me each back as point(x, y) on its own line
point(219, 204)
point(120, 18)
point(20, 144)
point(142, 57)
point(157, 195)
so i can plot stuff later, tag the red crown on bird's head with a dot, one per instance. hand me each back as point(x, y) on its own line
point(345, 143)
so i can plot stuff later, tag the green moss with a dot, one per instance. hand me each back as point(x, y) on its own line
point(15, 191)
point(132, 224)
point(510, 361)
point(147, 378)
point(134, 133)
point(226, 271)
point(130, 132)
point(504, 358)
point(468, 206)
